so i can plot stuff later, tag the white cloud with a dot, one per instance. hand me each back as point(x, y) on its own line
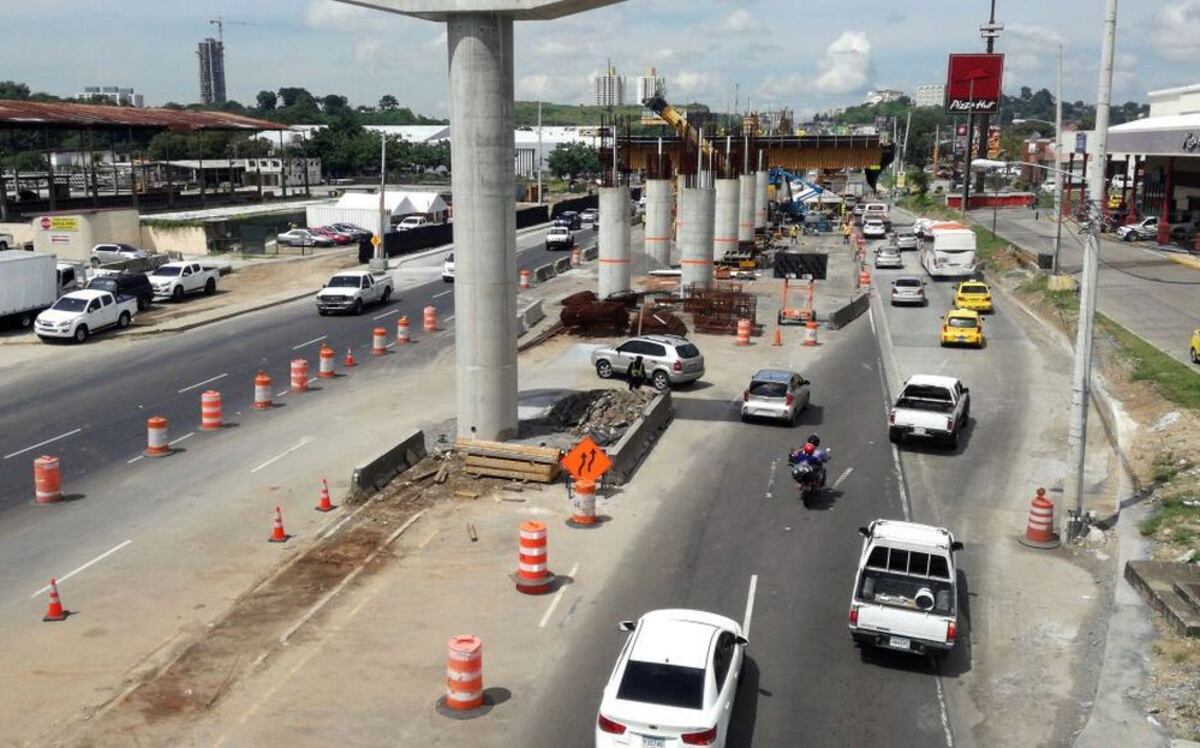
point(1029, 49)
point(694, 82)
point(1177, 31)
point(847, 64)
point(741, 21)
point(545, 87)
point(327, 13)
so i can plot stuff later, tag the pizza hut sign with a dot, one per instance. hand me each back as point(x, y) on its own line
point(974, 82)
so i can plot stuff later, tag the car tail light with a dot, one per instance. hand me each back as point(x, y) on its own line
point(951, 631)
point(853, 616)
point(745, 395)
point(607, 725)
point(789, 399)
point(891, 416)
point(678, 365)
point(945, 329)
point(707, 737)
point(949, 424)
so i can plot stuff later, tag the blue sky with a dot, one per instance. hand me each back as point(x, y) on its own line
point(805, 54)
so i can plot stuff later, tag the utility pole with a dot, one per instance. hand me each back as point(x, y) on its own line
point(1082, 375)
point(539, 156)
point(989, 31)
point(378, 260)
point(1058, 180)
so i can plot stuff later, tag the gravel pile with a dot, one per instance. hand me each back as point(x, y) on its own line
point(605, 415)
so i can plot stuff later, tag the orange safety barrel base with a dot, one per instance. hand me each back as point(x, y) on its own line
point(1039, 531)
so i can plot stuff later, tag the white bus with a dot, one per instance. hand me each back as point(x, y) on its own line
point(951, 254)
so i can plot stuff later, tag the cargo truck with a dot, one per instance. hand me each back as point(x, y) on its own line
point(28, 284)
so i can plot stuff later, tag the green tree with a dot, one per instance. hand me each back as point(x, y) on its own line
point(388, 103)
point(26, 161)
point(334, 104)
point(13, 90)
point(296, 97)
point(918, 180)
point(572, 159)
point(267, 100)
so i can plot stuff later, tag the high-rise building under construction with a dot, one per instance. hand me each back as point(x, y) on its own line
point(212, 71)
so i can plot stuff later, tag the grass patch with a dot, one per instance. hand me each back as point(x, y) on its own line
point(1061, 301)
point(1175, 520)
point(1174, 380)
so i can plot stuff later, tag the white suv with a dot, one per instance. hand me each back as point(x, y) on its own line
point(448, 268)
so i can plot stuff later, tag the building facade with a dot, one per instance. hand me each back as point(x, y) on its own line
point(609, 88)
point(113, 94)
point(931, 95)
point(212, 71)
point(651, 84)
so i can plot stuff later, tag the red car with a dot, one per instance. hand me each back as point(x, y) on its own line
point(336, 236)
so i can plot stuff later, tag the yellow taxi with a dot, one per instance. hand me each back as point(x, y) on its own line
point(1196, 346)
point(962, 327)
point(974, 295)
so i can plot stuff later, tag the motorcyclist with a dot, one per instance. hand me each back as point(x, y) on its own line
point(812, 454)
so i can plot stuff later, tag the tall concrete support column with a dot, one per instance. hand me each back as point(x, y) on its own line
point(658, 220)
point(695, 224)
point(725, 217)
point(485, 231)
point(760, 200)
point(746, 208)
point(614, 241)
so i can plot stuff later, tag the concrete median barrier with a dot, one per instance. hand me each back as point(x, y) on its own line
point(372, 475)
point(544, 273)
point(591, 253)
point(633, 447)
point(839, 318)
point(562, 265)
point(530, 314)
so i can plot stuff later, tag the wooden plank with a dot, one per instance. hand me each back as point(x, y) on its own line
point(495, 462)
point(494, 473)
point(501, 450)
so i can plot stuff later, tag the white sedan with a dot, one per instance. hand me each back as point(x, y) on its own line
point(674, 683)
point(874, 228)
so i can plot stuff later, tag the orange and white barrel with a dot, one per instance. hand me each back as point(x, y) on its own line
point(325, 363)
point(47, 480)
point(810, 333)
point(156, 437)
point(583, 504)
point(210, 411)
point(430, 319)
point(378, 341)
point(533, 576)
point(262, 390)
point(576, 257)
point(402, 331)
point(1040, 527)
point(864, 277)
point(464, 673)
point(743, 332)
point(300, 375)
point(524, 276)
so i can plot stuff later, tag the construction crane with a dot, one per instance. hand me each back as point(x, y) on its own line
point(672, 117)
point(221, 22)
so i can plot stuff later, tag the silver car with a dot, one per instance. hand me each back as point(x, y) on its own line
point(888, 257)
point(775, 394)
point(904, 237)
point(908, 289)
point(103, 254)
point(669, 359)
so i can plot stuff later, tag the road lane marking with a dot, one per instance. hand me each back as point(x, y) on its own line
point(842, 477)
point(135, 459)
point(281, 455)
point(42, 444)
point(447, 319)
point(944, 714)
point(201, 384)
point(72, 573)
point(771, 480)
point(558, 596)
point(443, 293)
point(309, 342)
point(185, 436)
point(427, 540)
point(386, 314)
point(281, 394)
point(871, 319)
point(749, 606)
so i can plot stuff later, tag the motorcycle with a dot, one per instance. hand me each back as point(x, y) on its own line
point(809, 476)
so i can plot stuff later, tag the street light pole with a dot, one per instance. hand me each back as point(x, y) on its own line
point(1081, 378)
point(1058, 180)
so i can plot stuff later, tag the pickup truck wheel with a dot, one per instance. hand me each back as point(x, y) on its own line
point(604, 370)
point(894, 436)
point(1128, 237)
point(323, 312)
point(661, 381)
point(177, 293)
point(387, 295)
point(95, 262)
point(952, 440)
point(123, 321)
point(81, 333)
point(357, 307)
point(210, 287)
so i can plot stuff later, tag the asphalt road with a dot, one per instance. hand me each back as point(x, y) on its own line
point(94, 416)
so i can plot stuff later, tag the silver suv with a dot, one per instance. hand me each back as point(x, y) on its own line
point(669, 359)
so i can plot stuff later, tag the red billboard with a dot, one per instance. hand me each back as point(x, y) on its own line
point(974, 82)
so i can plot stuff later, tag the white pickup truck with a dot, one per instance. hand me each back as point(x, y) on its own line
point(81, 313)
point(352, 290)
point(930, 406)
point(7, 241)
point(559, 237)
point(905, 593)
point(175, 279)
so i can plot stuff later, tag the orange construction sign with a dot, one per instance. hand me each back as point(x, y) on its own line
point(586, 460)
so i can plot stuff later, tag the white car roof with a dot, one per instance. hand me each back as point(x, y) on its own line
point(931, 380)
point(87, 293)
point(910, 532)
point(678, 637)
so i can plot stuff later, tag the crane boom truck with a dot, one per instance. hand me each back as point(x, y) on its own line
point(672, 117)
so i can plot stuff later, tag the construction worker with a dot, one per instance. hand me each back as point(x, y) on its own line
point(636, 374)
point(846, 232)
point(794, 232)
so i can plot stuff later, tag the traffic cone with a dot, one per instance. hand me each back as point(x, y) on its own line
point(778, 337)
point(349, 358)
point(55, 611)
point(277, 533)
point(325, 505)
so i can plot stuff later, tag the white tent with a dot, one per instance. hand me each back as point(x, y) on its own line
point(362, 208)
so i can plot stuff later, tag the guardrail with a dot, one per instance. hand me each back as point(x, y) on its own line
point(635, 444)
point(371, 476)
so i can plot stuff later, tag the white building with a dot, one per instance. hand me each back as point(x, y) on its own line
point(651, 84)
point(882, 96)
point(609, 88)
point(362, 208)
point(1169, 102)
point(114, 94)
point(526, 141)
point(931, 95)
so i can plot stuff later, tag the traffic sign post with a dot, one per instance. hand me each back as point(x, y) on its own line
point(586, 461)
point(379, 261)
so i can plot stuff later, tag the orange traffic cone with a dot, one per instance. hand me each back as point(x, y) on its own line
point(325, 505)
point(55, 611)
point(277, 533)
point(778, 337)
point(349, 358)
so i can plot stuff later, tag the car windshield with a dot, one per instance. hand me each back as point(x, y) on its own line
point(667, 685)
point(974, 288)
point(963, 322)
point(344, 281)
point(920, 397)
point(69, 304)
point(908, 283)
point(103, 284)
point(768, 389)
point(890, 251)
point(168, 271)
point(904, 231)
point(687, 350)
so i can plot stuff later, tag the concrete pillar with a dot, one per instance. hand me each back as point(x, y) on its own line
point(746, 208)
point(614, 241)
point(485, 239)
point(658, 220)
point(725, 217)
point(695, 233)
point(760, 201)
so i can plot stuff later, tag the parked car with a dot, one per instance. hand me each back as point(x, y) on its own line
point(888, 256)
point(176, 279)
point(962, 327)
point(570, 219)
point(905, 595)
point(351, 290)
point(303, 238)
point(975, 295)
point(930, 406)
point(103, 254)
point(775, 394)
point(874, 229)
point(81, 313)
point(448, 268)
point(559, 237)
point(669, 359)
point(331, 233)
point(674, 683)
point(908, 289)
point(349, 229)
point(412, 222)
point(904, 237)
point(136, 285)
point(589, 215)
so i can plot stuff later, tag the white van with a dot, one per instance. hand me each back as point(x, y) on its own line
point(952, 252)
point(878, 211)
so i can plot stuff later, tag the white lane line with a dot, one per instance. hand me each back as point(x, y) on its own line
point(771, 480)
point(309, 342)
point(944, 713)
point(443, 293)
point(42, 444)
point(900, 484)
point(201, 384)
point(558, 596)
point(749, 606)
point(386, 314)
point(447, 319)
point(842, 477)
point(871, 318)
point(176, 441)
point(281, 393)
point(72, 573)
point(281, 455)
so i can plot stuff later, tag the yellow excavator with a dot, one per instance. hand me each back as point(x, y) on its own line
point(672, 117)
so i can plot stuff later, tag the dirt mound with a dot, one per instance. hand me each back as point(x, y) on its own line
point(605, 415)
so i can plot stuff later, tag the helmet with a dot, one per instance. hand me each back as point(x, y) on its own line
point(814, 440)
point(809, 448)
